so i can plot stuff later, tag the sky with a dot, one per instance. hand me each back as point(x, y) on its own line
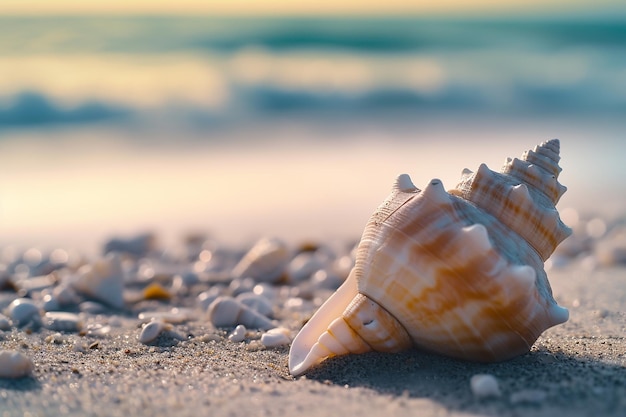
point(307, 7)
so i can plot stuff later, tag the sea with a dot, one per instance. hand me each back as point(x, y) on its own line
point(291, 127)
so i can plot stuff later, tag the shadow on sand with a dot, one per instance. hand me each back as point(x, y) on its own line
point(570, 386)
point(20, 384)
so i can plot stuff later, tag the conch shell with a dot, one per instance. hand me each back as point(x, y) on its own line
point(459, 273)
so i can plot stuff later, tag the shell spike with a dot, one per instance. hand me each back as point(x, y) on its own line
point(404, 184)
point(435, 192)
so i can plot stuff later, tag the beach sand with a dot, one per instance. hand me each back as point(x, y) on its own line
point(575, 369)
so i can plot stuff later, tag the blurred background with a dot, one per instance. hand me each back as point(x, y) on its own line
point(292, 119)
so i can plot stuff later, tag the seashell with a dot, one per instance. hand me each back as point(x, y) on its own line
point(14, 364)
point(265, 261)
point(102, 280)
point(459, 273)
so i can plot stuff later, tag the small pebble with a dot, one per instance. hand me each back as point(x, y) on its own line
point(56, 338)
point(102, 280)
point(205, 298)
point(151, 331)
point(62, 321)
point(258, 303)
point(303, 265)
point(14, 364)
point(79, 347)
point(5, 323)
point(22, 311)
point(92, 307)
point(238, 335)
point(98, 330)
point(155, 291)
point(175, 315)
point(484, 386)
point(50, 303)
point(226, 311)
point(65, 295)
point(278, 336)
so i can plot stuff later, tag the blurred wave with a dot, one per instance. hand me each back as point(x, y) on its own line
point(30, 109)
point(80, 70)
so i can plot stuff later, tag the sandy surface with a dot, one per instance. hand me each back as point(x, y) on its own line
point(576, 369)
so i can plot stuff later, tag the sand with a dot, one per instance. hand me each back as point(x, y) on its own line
point(575, 369)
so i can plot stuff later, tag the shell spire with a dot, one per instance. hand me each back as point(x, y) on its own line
point(459, 273)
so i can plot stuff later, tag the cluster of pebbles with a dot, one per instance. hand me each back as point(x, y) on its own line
point(259, 296)
point(595, 242)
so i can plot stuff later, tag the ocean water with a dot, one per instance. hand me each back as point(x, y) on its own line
point(293, 127)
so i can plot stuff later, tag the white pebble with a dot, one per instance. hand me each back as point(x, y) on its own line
point(22, 311)
point(98, 330)
point(14, 364)
point(92, 307)
point(62, 321)
point(5, 323)
point(56, 338)
point(65, 295)
point(175, 315)
point(102, 280)
point(303, 265)
point(238, 335)
point(205, 298)
point(150, 331)
point(275, 337)
point(258, 303)
point(484, 386)
point(50, 303)
point(226, 311)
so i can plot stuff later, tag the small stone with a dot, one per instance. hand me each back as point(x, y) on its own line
point(92, 307)
point(98, 330)
point(155, 291)
point(278, 336)
point(50, 303)
point(151, 331)
point(102, 280)
point(22, 311)
point(256, 302)
point(14, 364)
point(5, 323)
point(238, 335)
point(484, 386)
point(226, 311)
point(62, 321)
point(56, 339)
point(175, 315)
